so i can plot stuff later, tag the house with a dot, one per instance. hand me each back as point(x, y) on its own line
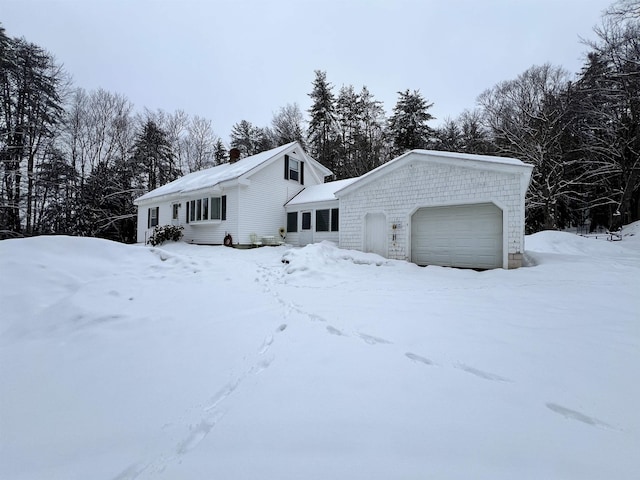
point(242, 198)
point(427, 207)
point(439, 208)
point(313, 215)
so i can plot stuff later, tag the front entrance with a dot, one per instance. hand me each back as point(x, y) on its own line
point(306, 232)
point(375, 233)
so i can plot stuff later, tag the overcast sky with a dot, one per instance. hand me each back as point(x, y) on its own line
point(242, 60)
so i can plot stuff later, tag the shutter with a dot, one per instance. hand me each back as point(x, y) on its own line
point(148, 218)
point(223, 215)
point(187, 204)
point(286, 167)
point(301, 173)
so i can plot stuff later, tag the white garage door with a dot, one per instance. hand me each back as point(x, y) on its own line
point(468, 236)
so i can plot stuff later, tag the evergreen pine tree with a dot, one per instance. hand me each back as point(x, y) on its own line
point(152, 152)
point(322, 132)
point(408, 127)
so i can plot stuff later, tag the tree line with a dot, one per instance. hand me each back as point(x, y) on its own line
point(72, 161)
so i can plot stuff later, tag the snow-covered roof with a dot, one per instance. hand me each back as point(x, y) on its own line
point(215, 175)
point(320, 193)
point(476, 161)
point(470, 156)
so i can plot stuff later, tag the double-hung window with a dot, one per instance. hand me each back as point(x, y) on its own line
point(153, 215)
point(293, 169)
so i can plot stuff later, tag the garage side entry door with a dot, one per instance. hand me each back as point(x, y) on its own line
point(466, 236)
point(375, 239)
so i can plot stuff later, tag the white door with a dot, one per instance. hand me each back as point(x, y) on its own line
point(306, 232)
point(375, 233)
point(467, 236)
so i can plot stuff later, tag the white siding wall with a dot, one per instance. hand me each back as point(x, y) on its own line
point(254, 208)
point(212, 233)
point(419, 184)
point(294, 238)
point(164, 217)
point(262, 202)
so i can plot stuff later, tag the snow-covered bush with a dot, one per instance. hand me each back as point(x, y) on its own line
point(165, 233)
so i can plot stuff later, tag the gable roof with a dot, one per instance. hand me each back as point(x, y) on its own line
point(488, 162)
point(322, 192)
point(213, 176)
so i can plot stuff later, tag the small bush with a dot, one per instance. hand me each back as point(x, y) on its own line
point(165, 233)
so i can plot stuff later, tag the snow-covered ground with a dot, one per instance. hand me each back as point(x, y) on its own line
point(194, 362)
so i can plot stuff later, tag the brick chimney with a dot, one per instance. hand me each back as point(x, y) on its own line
point(234, 155)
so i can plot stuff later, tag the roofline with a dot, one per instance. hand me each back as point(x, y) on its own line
point(282, 150)
point(449, 158)
point(291, 146)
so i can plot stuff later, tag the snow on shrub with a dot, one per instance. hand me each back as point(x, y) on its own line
point(165, 233)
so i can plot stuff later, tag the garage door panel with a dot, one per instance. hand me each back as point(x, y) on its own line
point(461, 236)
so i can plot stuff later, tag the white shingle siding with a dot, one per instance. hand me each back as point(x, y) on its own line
point(401, 191)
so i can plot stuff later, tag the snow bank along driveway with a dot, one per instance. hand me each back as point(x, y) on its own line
point(127, 362)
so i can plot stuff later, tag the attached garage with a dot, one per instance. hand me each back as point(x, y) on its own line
point(439, 208)
point(467, 236)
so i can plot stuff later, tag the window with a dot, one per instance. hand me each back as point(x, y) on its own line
point(208, 208)
point(293, 170)
point(215, 208)
point(292, 222)
point(174, 211)
point(327, 220)
point(153, 215)
point(334, 220)
point(322, 220)
point(306, 220)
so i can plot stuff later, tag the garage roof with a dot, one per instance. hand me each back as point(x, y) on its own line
point(487, 162)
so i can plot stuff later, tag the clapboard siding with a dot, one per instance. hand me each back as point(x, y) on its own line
point(262, 201)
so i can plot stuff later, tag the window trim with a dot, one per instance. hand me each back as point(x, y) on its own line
point(292, 215)
point(298, 171)
point(302, 228)
point(323, 223)
point(333, 219)
point(154, 215)
point(201, 211)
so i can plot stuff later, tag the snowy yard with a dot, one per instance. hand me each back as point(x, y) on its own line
point(194, 362)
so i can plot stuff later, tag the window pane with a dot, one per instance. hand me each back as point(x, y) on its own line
point(292, 222)
point(205, 209)
point(199, 209)
point(192, 210)
point(322, 220)
point(306, 220)
point(334, 220)
point(175, 211)
point(293, 169)
point(215, 208)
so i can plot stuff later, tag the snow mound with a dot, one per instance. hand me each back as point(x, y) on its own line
point(572, 244)
point(325, 256)
point(77, 272)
